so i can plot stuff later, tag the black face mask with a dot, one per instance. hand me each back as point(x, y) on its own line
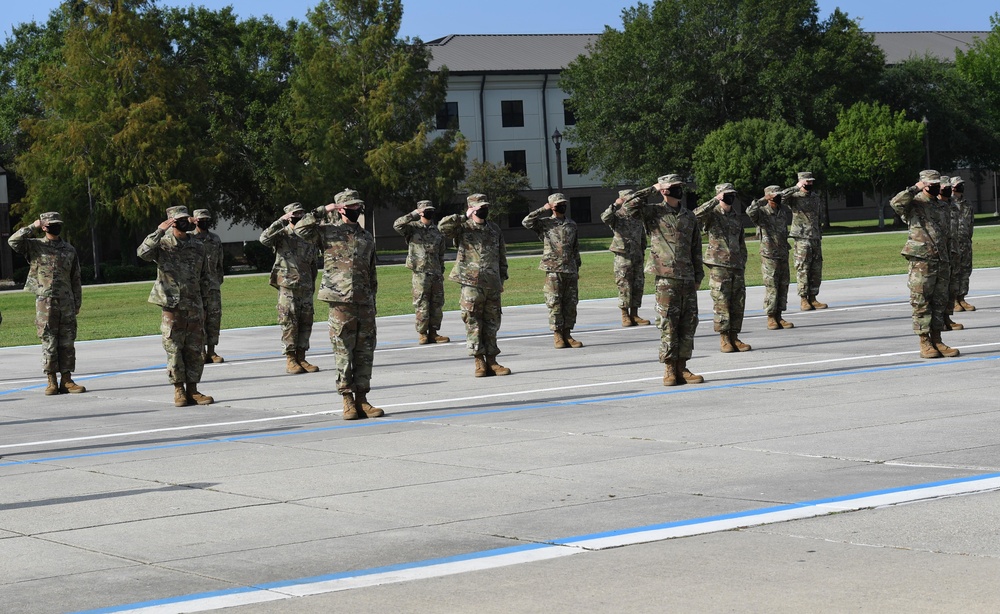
point(560, 208)
point(809, 187)
point(483, 213)
point(934, 189)
point(54, 229)
point(946, 192)
point(184, 225)
point(429, 214)
point(204, 224)
point(777, 199)
point(958, 189)
point(729, 198)
point(352, 214)
point(675, 191)
point(295, 219)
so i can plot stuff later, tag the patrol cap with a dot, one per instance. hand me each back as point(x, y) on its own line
point(51, 217)
point(476, 200)
point(294, 208)
point(724, 188)
point(957, 180)
point(347, 198)
point(772, 189)
point(930, 176)
point(624, 194)
point(557, 198)
point(202, 214)
point(177, 212)
point(668, 180)
point(424, 205)
point(806, 176)
point(945, 180)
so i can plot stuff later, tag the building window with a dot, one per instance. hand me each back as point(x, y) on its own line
point(574, 161)
point(569, 118)
point(855, 199)
point(447, 116)
point(516, 160)
point(512, 112)
point(516, 213)
point(579, 209)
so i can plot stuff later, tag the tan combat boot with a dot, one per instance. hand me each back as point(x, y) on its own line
point(689, 378)
point(784, 323)
point(670, 373)
point(424, 339)
point(292, 364)
point(958, 304)
point(951, 324)
point(573, 343)
point(351, 408)
point(947, 352)
point(965, 304)
point(739, 345)
point(634, 314)
point(927, 349)
point(497, 368)
point(433, 334)
point(627, 319)
point(180, 397)
point(196, 397)
point(53, 387)
point(805, 305)
point(68, 385)
point(363, 406)
point(772, 322)
point(558, 341)
point(300, 357)
point(726, 344)
point(816, 304)
point(482, 369)
point(211, 356)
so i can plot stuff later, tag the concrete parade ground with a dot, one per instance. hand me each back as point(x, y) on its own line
point(830, 469)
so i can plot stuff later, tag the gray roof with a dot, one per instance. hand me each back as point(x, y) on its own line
point(537, 53)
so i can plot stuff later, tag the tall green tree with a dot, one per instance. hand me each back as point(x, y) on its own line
point(980, 68)
point(753, 154)
point(874, 149)
point(647, 94)
point(361, 108)
point(504, 188)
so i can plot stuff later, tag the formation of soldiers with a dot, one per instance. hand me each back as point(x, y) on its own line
point(190, 273)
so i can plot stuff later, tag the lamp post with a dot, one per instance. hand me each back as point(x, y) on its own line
point(927, 141)
point(6, 258)
point(557, 141)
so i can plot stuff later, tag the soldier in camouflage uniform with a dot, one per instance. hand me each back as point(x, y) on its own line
point(727, 261)
point(807, 230)
point(927, 252)
point(772, 218)
point(425, 257)
point(561, 263)
point(948, 209)
point(182, 286)
point(54, 277)
point(348, 286)
point(629, 247)
point(964, 225)
point(294, 276)
point(481, 268)
point(202, 219)
point(675, 259)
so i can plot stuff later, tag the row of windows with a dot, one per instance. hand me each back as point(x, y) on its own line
point(511, 115)
point(517, 160)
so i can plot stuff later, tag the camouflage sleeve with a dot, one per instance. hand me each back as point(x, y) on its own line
point(272, 235)
point(534, 221)
point(20, 241)
point(308, 226)
point(754, 210)
point(696, 259)
point(374, 274)
point(902, 202)
point(451, 225)
point(704, 212)
point(609, 217)
point(220, 261)
point(788, 197)
point(576, 251)
point(503, 258)
point(150, 248)
point(205, 280)
point(402, 225)
point(75, 283)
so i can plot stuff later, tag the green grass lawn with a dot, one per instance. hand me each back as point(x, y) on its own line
point(112, 311)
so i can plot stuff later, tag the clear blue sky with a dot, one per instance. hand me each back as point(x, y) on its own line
point(430, 19)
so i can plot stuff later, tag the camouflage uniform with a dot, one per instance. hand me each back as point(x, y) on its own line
point(773, 223)
point(183, 283)
point(349, 286)
point(294, 276)
point(216, 273)
point(629, 247)
point(425, 257)
point(481, 268)
point(560, 261)
point(54, 277)
point(963, 224)
point(726, 259)
point(675, 259)
point(807, 230)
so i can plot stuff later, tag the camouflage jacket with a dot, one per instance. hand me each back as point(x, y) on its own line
point(54, 266)
point(561, 252)
point(213, 256)
point(348, 259)
point(964, 220)
point(425, 244)
point(674, 242)
point(630, 233)
point(727, 244)
point(929, 222)
point(294, 258)
point(482, 254)
point(773, 223)
point(807, 213)
point(182, 277)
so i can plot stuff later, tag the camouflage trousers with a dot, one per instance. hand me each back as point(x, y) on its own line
point(428, 301)
point(352, 333)
point(183, 331)
point(808, 266)
point(55, 320)
point(776, 278)
point(961, 270)
point(481, 313)
point(295, 316)
point(677, 308)
point(213, 317)
point(631, 281)
point(561, 296)
point(729, 296)
point(929, 286)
